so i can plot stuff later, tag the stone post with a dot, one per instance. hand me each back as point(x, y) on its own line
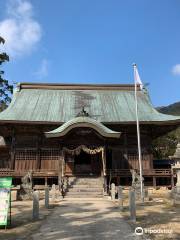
point(132, 204)
point(120, 196)
point(113, 191)
point(105, 185)
point(53, 192)
point(176, 169)
point(35, 213)
point(178, 181)
point(146, 194)
point(47, 197)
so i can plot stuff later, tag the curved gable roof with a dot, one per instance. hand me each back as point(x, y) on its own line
point(83, 122)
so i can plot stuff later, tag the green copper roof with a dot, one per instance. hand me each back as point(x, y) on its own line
point(60, 103)
point(83, 122)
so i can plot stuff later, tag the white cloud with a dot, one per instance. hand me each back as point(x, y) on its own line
point(19, 29)
point(42, 72)
point(176, 69)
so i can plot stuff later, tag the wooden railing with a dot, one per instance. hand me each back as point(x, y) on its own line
point(146, 172)
point(112, 172)
point(35, 173)
point(6, 172)
point(158, 172)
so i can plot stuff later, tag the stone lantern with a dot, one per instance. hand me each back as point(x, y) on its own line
point(176, 169)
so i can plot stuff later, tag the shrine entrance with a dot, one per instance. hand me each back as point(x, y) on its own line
point(84, 161)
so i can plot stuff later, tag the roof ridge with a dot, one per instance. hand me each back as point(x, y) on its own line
point(76, 86)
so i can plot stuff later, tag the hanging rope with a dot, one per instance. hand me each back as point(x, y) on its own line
point(78, 150)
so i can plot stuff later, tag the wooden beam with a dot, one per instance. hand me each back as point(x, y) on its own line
point(12, 150)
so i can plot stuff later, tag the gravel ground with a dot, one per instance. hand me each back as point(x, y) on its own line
point(22, 224)
point(85, 219)
point(156, 215)
point(92, 219)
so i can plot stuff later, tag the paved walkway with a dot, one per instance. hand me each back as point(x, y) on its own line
point(85, 219)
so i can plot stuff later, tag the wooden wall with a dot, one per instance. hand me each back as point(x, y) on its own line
point(27, 159)
point(30, 149)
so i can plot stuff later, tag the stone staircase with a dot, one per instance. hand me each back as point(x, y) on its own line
point(84, 187)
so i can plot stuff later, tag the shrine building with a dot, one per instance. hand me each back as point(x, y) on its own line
point(63, 132)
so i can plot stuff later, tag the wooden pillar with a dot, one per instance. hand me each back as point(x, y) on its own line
point(61, 171)
point(38, 153)
point(46, 181)
point(12, 153)
point(103, 162)
point(118, 180)
point(151, 161)
point(172, 178)
point(125, 150)
point(63, 164)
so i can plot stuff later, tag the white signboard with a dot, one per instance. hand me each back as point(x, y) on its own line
point(4, 205)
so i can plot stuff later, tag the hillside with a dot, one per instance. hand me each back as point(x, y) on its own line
point(165, 146)
point(173, 109)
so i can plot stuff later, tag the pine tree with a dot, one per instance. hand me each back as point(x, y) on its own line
point(5, 88)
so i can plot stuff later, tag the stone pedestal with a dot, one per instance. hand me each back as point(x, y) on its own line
point(136, 185)
point(176, 169)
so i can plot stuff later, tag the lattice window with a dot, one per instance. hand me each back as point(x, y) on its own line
point(50, 158)
point(25, 159)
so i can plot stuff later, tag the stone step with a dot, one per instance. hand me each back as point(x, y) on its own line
point(80, 181)
point(87, 197)
point(82, 199)
point(88, 179)
point(84, 194)
point(87, 182)
point(85, 190)
point(86, 185)
point(75, 188)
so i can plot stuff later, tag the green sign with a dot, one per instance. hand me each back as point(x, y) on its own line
point(5, 182)
point(5, 191)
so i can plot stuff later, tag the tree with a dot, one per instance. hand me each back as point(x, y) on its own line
point(5, 88)
point(165, 146)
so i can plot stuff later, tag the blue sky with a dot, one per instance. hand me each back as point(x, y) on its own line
point(94, 41)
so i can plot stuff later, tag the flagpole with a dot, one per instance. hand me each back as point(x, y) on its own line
point(138, 136)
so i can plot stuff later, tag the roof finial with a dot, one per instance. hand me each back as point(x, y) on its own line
point(83, 113)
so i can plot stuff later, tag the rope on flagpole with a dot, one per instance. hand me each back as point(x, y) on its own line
point(138, 135)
